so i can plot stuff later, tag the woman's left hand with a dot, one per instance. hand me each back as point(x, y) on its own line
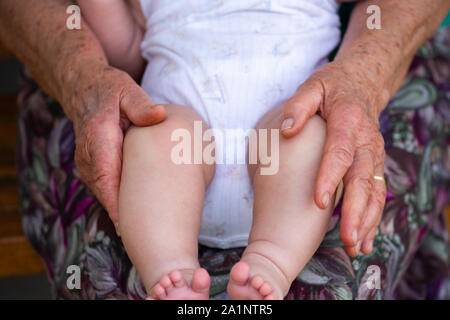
point(354, 150)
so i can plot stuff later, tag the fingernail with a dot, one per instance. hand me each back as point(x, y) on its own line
point(370, 248)
point(287, 124)
point(354, 236)
point(325, 199)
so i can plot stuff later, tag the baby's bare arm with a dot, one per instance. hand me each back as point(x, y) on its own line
point(118, 32)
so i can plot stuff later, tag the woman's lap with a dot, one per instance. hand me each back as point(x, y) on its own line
point(67, 226)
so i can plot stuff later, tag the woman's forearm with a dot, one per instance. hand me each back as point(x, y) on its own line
point(35, 31)
point(383, 56)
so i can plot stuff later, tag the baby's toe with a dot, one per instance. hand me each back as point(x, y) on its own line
point(265, 289)
point(257, 282)
point(165, 282)
point(177, 279)
point(240, 273)
point(200, 280)
point(159, 291)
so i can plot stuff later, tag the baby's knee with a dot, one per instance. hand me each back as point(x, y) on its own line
point(163, 135)
point(172, 140)
point(312, 135)
point(314, 131)
point(300, 150)
point(305, 148)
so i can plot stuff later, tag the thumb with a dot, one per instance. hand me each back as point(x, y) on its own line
point(301, 106)
point(136, 105)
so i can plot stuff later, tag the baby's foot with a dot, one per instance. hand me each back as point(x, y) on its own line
point(243, 287)
point(259, 275)
point(182, 285)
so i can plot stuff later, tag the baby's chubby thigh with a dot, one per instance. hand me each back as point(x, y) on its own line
point(173, 141)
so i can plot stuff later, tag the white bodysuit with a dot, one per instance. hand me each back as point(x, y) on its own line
point(232, 61)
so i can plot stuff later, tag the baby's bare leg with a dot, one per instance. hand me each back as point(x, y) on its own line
point(160, 208)
point(287, 225)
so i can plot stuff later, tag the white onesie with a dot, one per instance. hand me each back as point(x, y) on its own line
point(232, 61)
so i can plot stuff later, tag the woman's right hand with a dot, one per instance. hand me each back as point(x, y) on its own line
point(71, 66)
point(103, 102)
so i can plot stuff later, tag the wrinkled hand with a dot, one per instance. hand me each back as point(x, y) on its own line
point(102, 105)
point(354, 149)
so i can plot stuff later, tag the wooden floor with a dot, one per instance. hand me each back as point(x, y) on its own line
point(17, 257)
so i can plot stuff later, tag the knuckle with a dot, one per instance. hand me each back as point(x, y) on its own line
point(367, 152)
point(81, 154)
point(380, 156)
point(362, 181)
point(100, 178)
point(291, 104)
point(379, 142)
point(84, 147)
point(84, 155)
point(82, 163)
point(342, 155)
point(294, 106)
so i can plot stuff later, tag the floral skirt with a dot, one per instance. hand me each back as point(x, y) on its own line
point(67, 226)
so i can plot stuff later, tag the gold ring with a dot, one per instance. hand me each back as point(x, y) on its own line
point(379, 178)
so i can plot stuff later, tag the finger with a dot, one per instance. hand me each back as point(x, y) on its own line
point(99, 161)
point(337, 157)
point(358, 187)
point(369, 220)
point(374, 209)
point(378, 197)
point(139, 109)
point(107, 159)
point(367, 245)
point(302, 106)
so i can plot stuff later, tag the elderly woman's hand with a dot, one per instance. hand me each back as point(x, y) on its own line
point(354, 151)
point(72, 67)
point(350, 93)
point(102, 103)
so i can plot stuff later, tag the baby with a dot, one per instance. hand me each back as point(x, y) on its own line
point(220, 65)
